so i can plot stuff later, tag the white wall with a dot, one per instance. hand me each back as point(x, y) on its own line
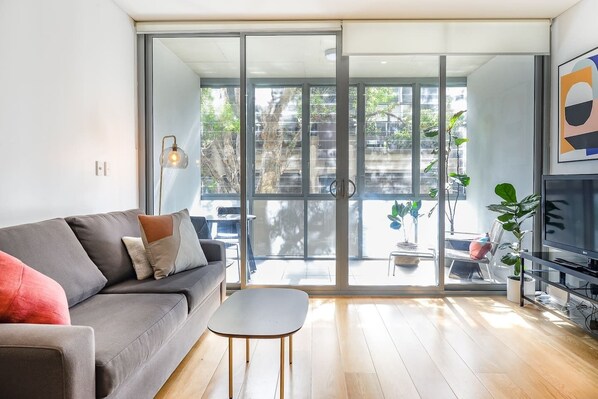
point(573, 33)
point(176, 111)
point(67, 98)
point(500, 110)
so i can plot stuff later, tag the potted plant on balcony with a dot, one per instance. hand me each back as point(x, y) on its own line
point(398, 218)
point(512, 214)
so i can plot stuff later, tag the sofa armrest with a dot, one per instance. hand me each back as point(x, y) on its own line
point(214, 250)
point(47, 361)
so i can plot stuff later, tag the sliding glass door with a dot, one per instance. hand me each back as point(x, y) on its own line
point(356, 174)
point(291, 158)
point(393, 231)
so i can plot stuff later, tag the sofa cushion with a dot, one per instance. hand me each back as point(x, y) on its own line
point(28, 296)
point(195, 284)
point(101, 236)
point(171, 243)
point(51, 248)
point(128, 330)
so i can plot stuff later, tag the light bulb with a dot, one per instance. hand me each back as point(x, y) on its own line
point(174, 157)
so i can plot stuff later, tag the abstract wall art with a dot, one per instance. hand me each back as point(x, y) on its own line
point(578, 108)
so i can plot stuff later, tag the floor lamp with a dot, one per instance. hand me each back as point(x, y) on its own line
point(172, 157)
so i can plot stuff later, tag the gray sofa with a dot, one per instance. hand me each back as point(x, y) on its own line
point(127, 336)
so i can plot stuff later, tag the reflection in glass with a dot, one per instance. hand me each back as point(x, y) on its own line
point(388, 139)
point(278, 140)
point(220, 131)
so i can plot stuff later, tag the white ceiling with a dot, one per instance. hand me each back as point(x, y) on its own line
point(177, 10)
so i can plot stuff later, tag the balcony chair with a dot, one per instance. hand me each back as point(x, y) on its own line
point(229, 232)
point(201, 227)
point(457, 255)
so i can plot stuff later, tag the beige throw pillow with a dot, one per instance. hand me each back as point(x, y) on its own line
point(136, 251)
point(171, 243)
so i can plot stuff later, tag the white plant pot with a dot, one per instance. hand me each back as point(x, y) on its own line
point(513, 288)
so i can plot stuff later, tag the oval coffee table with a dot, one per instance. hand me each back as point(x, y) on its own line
point(263, 313)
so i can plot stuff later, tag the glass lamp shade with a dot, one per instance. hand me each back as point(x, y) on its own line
point(174, 157)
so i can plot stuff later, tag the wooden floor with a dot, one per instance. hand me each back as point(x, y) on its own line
point(456, 347)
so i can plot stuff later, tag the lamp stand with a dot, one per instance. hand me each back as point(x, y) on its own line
point(162, 171)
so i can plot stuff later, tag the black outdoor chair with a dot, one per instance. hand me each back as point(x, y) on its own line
point(229, 232)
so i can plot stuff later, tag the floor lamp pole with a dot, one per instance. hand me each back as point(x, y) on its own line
point(162, 170)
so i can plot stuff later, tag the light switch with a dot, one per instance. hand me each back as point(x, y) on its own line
point(106, 169)
point(99, 168)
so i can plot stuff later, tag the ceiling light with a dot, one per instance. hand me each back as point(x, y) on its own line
point(330, 54)
point(383, 62)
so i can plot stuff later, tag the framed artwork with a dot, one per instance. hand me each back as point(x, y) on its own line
point(578, 108)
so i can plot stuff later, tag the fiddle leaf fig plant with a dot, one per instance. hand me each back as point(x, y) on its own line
point(398, 213)
point(456, 180)
point(512, 214)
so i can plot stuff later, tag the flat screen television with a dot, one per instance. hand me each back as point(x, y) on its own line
point(570, 212)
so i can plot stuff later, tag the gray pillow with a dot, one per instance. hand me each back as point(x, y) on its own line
point(101, 236)
point(171, 243)
point(51, 248)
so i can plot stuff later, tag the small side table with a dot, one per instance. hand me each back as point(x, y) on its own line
point(260, 313)
point(416, 252)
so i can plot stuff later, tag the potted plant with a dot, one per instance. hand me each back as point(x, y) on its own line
point(399, 213)
point(512, 214)
point(456, 180)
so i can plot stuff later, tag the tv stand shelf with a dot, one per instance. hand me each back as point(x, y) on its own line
point(555, 274)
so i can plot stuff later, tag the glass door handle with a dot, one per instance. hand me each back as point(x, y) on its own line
point(351, 183)
point(341, 190)
point(332, 188)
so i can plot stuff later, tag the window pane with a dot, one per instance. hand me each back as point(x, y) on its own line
point(321, 230)
point(388, 134)
point(428, 143)
point(456, 101)
point(322, 138)
point(220, 154)
point(278, 228)
point(353, 137)
point(278, 140)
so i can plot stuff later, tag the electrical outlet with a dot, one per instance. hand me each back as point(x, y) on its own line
point(99, 168)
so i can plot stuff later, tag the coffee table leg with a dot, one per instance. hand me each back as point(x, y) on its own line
point(282, 368)
point(247, 350)
point(290, 349)
point(230, 368)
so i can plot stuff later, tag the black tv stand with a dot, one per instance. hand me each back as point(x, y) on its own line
point(554, 271)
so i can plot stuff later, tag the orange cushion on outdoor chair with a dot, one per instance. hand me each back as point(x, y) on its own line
point(479, 247)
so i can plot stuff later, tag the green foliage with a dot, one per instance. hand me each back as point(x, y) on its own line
point(456, 180)
point(512, 214)
point(384, 106)
point(218, 117)
point(401, 210)
point(322, 104)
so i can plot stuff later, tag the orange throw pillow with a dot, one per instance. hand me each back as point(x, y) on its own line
point(28, 296)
